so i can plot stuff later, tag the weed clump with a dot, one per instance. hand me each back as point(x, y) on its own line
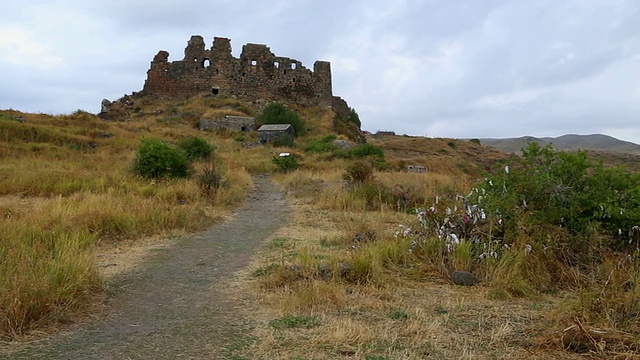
point(324, 145)
point(210, 180)
point(359, 172)
point(292, 322)
point(285, 164)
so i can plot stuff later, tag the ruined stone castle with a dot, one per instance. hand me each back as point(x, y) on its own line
point(257, 73)
point(257, 76)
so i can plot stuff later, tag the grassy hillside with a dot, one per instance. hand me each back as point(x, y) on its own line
point(67, 191)
point(364, 269)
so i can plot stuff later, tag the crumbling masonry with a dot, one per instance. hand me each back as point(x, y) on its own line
point(258, 73)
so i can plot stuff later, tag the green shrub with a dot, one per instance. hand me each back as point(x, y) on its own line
point(195, 148)
point(564, 189)
point(323, 145)
point(277, 113)
point(156, 159)
point(358, 172)
point(285, 164)
point(365, 150)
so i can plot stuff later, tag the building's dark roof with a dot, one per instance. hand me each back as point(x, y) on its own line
point(274, 127)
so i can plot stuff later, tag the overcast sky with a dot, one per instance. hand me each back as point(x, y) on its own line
point(438, 68)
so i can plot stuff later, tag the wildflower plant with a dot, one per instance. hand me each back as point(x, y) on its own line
point(460, 229)
point(536, 216)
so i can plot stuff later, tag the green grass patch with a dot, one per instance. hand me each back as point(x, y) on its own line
point(292, 322)
point(398, 315)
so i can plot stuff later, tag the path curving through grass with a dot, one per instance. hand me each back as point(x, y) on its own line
point(179, 304)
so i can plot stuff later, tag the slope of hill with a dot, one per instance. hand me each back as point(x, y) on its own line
point(596, 142)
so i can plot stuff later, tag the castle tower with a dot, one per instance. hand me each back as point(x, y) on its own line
point(195, 49)
point(221, 48)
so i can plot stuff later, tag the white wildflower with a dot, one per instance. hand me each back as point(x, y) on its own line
point(453, 239)
point(527, 249)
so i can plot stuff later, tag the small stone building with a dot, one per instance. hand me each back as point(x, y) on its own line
point(416, 169)
point(234, 123)
point(270, 132)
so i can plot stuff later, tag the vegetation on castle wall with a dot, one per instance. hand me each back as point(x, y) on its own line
point(354, 117)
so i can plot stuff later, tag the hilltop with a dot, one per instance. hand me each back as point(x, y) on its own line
point(570, 142)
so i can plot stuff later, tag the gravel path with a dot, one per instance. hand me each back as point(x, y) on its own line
point(177, 306)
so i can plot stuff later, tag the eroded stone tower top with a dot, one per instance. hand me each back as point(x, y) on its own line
point(256, 73)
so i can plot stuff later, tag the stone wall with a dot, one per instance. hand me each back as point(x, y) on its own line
point(234, 123)
point(416, 169)
point(257, 73)
point(268, 133)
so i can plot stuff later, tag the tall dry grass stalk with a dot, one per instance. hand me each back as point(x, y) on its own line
point(46, 274)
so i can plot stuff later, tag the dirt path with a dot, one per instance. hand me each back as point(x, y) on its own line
point(179, 305)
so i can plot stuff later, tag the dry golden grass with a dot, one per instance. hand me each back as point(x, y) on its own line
point(67, 193)
point(459, 159)
point(65, 186)
point(405, 314)
point(391, 304)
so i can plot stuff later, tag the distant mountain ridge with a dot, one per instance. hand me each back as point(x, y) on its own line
point(597, 142)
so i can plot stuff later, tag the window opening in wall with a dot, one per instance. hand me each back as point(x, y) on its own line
point(243, 74)
point(244, 128)
point(285, 72)
point(215, 90)
point(217, 71)
point(206, 63)
point(294, 79)
point(254, 62)
point(293, 66)
point(195, 59)
point(276, 65)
